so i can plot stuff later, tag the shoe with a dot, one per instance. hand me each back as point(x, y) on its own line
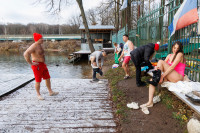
point(145, 110)
point(96, 79)
point(126, 77)
point(141, 84)
point(156, 77)
point(156, 99)
point(53, 94)
point(133, 105)
point(145, 105)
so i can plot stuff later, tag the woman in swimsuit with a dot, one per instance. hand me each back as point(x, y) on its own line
point(172, 70)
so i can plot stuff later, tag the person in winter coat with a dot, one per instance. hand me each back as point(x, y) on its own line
point(143, 54)
point(172, 70)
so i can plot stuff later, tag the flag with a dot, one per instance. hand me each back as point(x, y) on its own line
point(186, 15)
point(125, 3)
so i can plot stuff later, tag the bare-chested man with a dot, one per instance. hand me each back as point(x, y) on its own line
point(36, 52)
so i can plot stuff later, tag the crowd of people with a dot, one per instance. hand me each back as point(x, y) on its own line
point(171, 69)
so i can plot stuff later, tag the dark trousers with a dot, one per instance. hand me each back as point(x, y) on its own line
point(138, 70)
point(96, 70)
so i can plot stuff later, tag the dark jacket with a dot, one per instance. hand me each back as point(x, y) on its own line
point(143, 54)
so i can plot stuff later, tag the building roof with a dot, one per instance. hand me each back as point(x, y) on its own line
point(98, 27)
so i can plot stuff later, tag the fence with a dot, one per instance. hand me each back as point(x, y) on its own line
point(154, 27)
point(118, 38)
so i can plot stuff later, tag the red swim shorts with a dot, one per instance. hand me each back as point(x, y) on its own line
point(40, 71)
point(127, 59)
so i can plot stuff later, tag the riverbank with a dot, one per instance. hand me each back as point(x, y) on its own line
point(169, 115)
point(61, 46)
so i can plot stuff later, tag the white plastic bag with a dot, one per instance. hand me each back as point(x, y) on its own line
point(115, 66)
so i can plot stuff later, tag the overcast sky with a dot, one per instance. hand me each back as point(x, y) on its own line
point(27, 11)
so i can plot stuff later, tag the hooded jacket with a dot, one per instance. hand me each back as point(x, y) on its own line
point(143, 54)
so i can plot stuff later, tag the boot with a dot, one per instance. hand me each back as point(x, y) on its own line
point(156, 78)
point(140, 84)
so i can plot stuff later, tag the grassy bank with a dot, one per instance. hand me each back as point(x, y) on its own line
point(118, 96)
point(179, 110)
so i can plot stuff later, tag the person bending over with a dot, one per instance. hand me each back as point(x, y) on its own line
point(94, 58)
point(173, 70)
point(143, 54)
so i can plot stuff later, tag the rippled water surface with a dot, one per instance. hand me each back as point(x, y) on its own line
point(57, 63)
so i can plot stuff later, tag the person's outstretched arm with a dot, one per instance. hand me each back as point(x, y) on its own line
point(147, 55)
point(102, 60)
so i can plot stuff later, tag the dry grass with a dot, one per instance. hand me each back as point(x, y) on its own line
point(67, 45)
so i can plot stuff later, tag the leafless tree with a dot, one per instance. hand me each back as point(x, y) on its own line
point(55, 6)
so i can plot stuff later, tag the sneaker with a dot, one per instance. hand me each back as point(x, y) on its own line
point(126, 77)
point(96, 79)
point(133, 105)
point(156, 99)
point(145, 110)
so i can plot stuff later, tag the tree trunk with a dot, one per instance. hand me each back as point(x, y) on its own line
point(160, 32)
point(85, 25)
point(117, 16)
point(129, 16)
point(142, 8)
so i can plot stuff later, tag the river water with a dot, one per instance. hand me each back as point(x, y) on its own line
point(57, 63)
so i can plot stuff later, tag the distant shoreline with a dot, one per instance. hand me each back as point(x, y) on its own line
point(57, 46)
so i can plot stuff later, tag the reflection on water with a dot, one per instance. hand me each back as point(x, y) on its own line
point(14, 63)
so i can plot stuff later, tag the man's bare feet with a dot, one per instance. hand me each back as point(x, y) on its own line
point(40, 97)
point(53, 93)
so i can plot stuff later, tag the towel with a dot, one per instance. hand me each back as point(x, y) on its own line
point(182, 86)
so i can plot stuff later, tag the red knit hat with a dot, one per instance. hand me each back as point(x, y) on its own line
point(156, 47)
point(37, 36)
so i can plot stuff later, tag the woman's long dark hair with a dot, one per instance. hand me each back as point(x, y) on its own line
point(180, 49)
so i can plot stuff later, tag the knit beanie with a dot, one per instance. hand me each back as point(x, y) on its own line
point(37, 36)
point(156, 47)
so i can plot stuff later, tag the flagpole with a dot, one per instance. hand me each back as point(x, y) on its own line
point(169, 35)
point(126, 19)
